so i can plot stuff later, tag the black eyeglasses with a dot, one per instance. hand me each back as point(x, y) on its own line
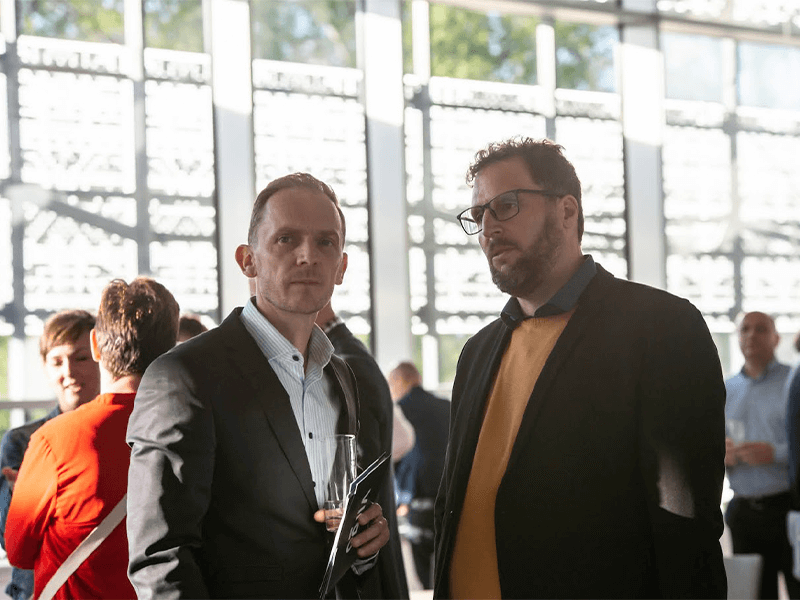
point(503, 207)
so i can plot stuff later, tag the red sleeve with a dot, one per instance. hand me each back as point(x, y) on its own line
point(32, 503)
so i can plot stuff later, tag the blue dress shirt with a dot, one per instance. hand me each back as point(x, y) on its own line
point(760, 404)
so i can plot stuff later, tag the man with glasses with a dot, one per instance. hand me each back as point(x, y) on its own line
point(586, 453)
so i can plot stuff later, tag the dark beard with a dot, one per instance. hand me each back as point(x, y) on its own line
point(528, 273)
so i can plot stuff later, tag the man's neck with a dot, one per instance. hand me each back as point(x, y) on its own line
point(755, 369)
point(560, 275)
point(295, 327)
point(127, 384)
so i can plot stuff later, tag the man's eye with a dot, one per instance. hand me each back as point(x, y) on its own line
point(476, 214)
point(504, 202)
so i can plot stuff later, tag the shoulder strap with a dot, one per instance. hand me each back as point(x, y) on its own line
point(345, 377)
point(84, 549)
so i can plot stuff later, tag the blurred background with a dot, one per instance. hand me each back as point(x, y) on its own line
point(134, 135)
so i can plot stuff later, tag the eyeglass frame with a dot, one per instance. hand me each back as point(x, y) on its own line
point(487, 205)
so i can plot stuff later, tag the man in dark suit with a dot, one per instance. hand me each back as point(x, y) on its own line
point(420, 471)
point(587, 435)
point(227, 470)
point(375, 438)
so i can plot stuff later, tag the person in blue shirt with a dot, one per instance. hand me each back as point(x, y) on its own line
point(757, 465)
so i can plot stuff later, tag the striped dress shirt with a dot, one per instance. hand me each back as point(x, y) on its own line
point(316, 408)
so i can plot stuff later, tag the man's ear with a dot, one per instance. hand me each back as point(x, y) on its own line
point(244, 258)
point(570, 210)
point(342, 269)
point(95, 347)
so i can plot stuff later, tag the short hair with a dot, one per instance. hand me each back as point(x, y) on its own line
point(740, 318)
point(65, 327)
point(546, 164)
point(294, 180)
point(407, 372)
point(190, 326)
point(136, 323)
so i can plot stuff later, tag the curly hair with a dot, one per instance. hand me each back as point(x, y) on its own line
point(136, 323)
point(546, 164)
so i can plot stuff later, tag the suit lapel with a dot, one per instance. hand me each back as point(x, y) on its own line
point(268, 392)
point(339, 372)
point(588, 306)
point(468, 418)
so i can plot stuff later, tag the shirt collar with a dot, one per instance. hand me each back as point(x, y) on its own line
point(562, 301)
point(275, 346)
point(771, 366)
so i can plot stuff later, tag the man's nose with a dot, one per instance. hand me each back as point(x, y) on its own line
point(489, 222)
point(68, 368)
point(306, 252)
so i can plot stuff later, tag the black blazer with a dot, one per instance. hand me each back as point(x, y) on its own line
point(375, 437)
point(613, 485)
point(420, 471)
point(220, 492)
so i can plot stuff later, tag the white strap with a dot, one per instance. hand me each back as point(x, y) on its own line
point(84, 549)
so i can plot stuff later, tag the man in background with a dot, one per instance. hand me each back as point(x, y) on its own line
point(420, 471)
point(793, 427)
point(75, 378)
point(757, 465)
point(376, 436)
point(190, 326)
point(76, 469)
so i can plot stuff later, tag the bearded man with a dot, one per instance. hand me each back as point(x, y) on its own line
point(587, 446)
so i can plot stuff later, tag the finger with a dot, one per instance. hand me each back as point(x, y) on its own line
point(319, 516)
point(370, 514)
point(372, 539)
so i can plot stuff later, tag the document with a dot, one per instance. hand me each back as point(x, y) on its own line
point(361, 494)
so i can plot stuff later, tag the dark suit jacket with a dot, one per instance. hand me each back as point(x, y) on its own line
point(375, 437)
point(420, 471)
point(613, 485)
point(220, 492)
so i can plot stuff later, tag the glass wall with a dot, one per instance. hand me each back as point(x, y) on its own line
point(107, 164)
point(108, 167)
point(730, 182)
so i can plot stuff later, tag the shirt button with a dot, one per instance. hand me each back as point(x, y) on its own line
point(310, 435)
point(295, 358)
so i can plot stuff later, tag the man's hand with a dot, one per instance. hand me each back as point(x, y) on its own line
point(10, 475)
point(374, 537)
point(755, 453)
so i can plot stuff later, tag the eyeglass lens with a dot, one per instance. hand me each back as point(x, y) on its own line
point(503, 207)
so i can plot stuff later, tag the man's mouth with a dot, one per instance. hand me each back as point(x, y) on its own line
point(497, 250)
